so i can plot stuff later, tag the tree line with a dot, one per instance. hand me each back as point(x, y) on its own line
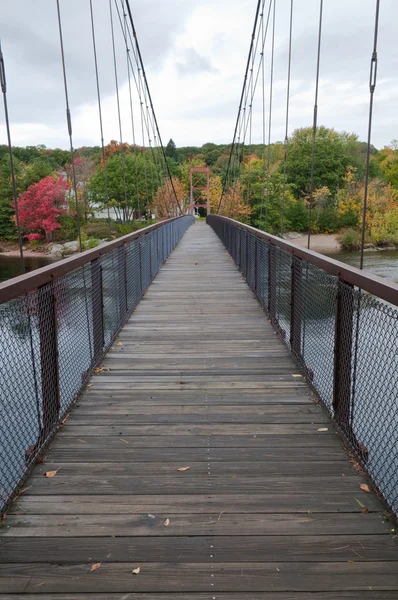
point(133, 183)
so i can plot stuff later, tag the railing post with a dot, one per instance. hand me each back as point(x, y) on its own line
point(122, 276)
point(295, 306)
point(140, 263)
point(272, 282)
point(97, 304)
point(255, 266)
point(48, 335)
point(150, 257)
point(343, 357)
point(247, 255)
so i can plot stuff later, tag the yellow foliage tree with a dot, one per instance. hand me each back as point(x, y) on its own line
point(215, 193)
point(234, 204)
point(164, 204)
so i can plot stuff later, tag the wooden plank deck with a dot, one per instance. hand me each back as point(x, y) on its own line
point(268, 509)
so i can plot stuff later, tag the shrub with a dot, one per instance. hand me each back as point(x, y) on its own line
point(350, 240)
point(91, 243)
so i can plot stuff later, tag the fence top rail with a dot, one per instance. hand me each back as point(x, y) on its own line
point(23, 284)
point(373, 284)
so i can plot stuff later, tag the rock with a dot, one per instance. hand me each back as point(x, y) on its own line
point(73, 245)
point(291, 235)
point(67, 251)
point(55, 249)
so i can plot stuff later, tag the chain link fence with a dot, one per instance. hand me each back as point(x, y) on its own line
point(54, 334)
point(343, 336)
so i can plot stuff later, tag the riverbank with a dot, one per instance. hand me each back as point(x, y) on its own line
point(320, 242)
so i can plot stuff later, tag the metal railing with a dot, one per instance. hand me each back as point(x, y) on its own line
point(56, 324)
point(341, 325)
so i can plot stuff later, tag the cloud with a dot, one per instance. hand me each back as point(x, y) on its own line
point(194, 64)
point(195, 53)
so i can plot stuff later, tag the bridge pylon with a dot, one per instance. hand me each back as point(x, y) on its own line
point(199, 183)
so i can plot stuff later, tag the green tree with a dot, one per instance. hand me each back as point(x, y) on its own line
point(7, 225)
point(142, 181)
point(331, 160)
point(171, 150)
point(34, 172)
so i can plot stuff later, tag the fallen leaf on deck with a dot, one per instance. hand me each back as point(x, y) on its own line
point(119, 344)
point(89, 385)
point(95, 566)
point(98, 370)
point(136, 571)
point(183, 469)
point(39, 584)
point(365, 488)
point(294, 375)
point(323, 429)
point(360, 503)
point(50, 474)
point(166, 523)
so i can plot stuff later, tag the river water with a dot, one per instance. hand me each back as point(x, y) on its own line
point(10, 265)
point(380, 262)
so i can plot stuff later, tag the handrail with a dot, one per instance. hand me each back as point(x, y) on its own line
point(54, 332)
point(341, 327)
point(22, 284)
point(373, 284)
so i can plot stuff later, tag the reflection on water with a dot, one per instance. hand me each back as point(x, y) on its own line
point(10, 265)
point(380, 262)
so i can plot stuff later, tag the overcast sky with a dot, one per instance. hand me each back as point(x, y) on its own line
point(195, 53)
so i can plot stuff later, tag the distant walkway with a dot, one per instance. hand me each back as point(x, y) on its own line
point(197, 466)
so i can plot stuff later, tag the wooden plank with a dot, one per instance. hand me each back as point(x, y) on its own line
point(300, 502)
point(271, 507)
point(271, 456)
point(325, 548)
point(129, 467)
point(194, 429)
point(118, 440)
point(339, 595)
point(194, 577)
point(220, 524)
point(192, 483)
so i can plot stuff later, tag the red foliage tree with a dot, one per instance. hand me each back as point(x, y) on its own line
point(41, 205)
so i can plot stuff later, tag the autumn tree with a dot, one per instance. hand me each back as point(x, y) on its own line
point(215, 192)
point(234, 203)
point(41, 205)
point(168, 198)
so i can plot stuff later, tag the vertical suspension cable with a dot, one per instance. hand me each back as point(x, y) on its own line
point(131, 111)
point(126, 210)
point(147, 117)
point(251, 125)
point(286, 140)
point(100, 118)
point(270, 116)
point(372, 87)
point(314, 125)
point(263, 118)
point(151, 104)
point(69, 123)
point(242, 96)
point(12, 166)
